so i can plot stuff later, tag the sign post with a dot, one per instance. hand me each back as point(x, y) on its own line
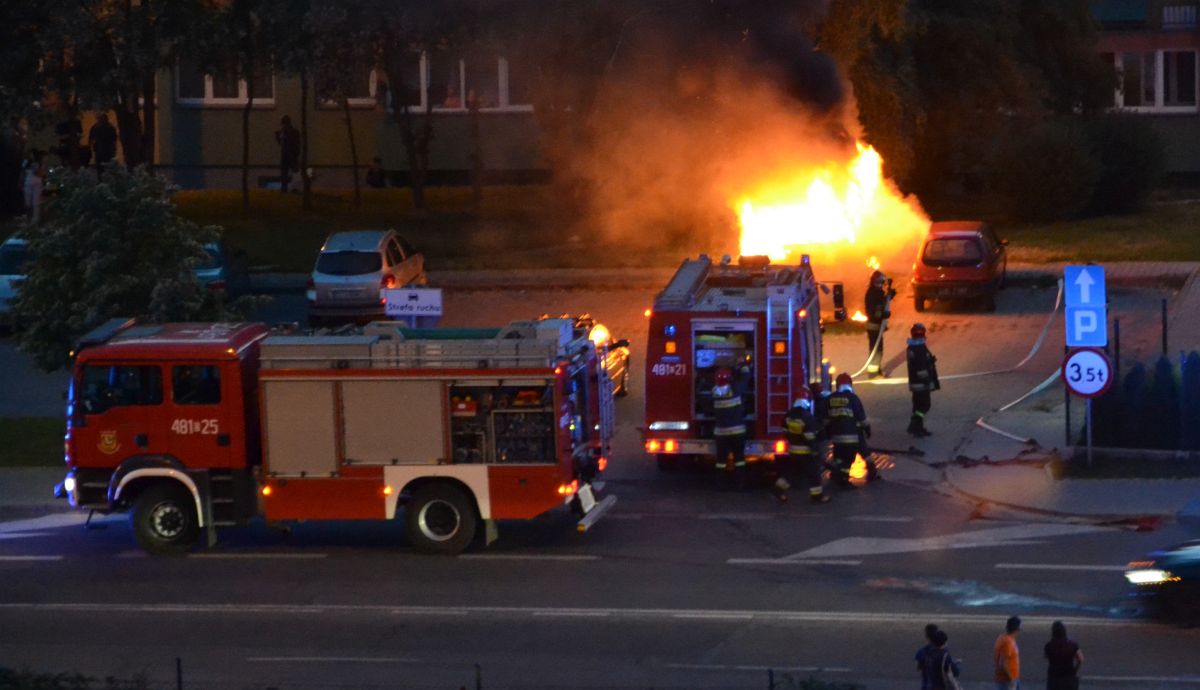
point(1087, 373)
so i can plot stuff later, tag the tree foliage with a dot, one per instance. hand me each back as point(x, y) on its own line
point(108, 248)
point(1047, 173)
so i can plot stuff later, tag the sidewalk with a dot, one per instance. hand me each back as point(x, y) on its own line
point(29, 491)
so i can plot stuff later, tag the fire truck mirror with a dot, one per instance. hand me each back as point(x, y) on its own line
point(839, 296)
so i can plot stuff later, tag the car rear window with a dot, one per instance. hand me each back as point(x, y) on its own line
point(348, 263)
point(13, 259)
point(952, 251)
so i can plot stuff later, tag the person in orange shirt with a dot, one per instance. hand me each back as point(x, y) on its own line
point(1007, 658)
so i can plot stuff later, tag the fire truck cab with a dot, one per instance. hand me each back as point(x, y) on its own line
point(194, 426)
point(759, 320)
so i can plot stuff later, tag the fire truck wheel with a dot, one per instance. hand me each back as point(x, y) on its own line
point(164, 519)
point(440, 519)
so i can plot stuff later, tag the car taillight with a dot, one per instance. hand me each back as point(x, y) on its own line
point(388, 281)
point(216, 285)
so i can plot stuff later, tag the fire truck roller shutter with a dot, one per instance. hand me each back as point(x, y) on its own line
point(393, 422)
point(300, 434)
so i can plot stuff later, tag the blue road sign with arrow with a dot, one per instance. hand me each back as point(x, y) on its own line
point(1087, 306)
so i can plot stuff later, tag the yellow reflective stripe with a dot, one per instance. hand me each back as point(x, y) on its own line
point(845, 439)
point(726, 402)
point(729, 430)
point(799, 450)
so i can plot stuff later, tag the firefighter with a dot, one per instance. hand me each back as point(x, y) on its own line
point(803, 432)
point(729, 429)
point(848, 432)
point(922, 379)
point(879, 309)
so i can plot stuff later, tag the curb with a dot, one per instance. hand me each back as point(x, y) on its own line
point(517, 279)
point(1140, 521)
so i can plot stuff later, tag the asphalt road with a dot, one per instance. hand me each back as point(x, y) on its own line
point(685, 585)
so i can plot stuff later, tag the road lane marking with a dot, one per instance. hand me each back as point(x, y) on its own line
point(574, 613)
point(22, 535)
point(30, 558)
point(331, 659)
point(525, 557)
point(880, 518)
point(738, 516)
point(981, 538)
point(791, 561)
point(253, 556)
point(1144, 679)
point(1054, 566)
point(987, 621)
point(759, 669)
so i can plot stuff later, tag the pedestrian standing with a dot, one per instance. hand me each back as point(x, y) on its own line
point(848, 432)
point(1064, 659)
point(803, 452)
point(922, 379)
point(1007, 657)
point(33, 184)
point(102, 137)
point(924, 652)
point(940, 666)
point(729, 427)
point(878, 305)
point(288, 138)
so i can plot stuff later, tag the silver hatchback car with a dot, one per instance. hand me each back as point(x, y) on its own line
point(353, 267)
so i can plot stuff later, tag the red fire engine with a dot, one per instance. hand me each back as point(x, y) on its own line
point(761, 321)
point(196, 426)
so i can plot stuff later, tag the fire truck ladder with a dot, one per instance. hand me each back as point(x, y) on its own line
point(781, 314)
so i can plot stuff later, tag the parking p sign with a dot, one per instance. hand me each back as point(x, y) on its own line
point(1087, 306)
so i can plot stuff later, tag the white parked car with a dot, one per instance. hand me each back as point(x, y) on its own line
point(351, 270)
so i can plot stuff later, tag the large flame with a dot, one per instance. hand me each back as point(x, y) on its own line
point(836, 211)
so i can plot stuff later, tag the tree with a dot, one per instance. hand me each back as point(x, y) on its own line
point(111, 53)
point(108, 248)
point(401, 33)
point(293, 55)
point(342, 55)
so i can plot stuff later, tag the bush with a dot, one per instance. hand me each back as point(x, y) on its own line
point(1131, 158)
point(1047, 174)
point(109, 247)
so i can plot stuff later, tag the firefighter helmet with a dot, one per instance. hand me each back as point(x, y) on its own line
point(724, 376)
point(843, 379)
point(877, 278)
point(918, 330)
point(803, 399)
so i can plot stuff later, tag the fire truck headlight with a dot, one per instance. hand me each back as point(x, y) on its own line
point(69, 484)
point(668, 426)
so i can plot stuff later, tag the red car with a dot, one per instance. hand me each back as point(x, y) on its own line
point(960, 260)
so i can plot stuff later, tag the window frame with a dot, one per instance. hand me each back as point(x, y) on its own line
point(504, 104)
point(210, 101)
point(1159, 106)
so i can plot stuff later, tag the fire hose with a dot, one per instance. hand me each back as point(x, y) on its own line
point(1037, 345)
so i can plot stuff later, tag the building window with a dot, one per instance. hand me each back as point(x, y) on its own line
point(1156, 81)
point(195, 87)
point(1179, 78)
point(445, 82)
point(1179, 16)
point(364, 92)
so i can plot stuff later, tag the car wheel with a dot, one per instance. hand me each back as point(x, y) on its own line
point(919, 303)
point(164, 519)
point(440, 519)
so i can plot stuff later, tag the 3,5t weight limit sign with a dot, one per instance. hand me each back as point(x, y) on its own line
point(1086, 372)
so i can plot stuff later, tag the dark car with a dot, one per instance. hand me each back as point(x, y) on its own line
point(222, 270)
point(1168, 581)
point(960, 260)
